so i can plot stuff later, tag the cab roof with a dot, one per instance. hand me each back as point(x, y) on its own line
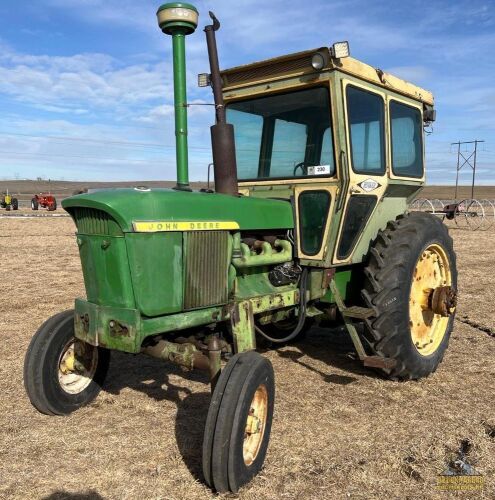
point(299, 64)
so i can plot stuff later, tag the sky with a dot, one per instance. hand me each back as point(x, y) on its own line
point(86, 88)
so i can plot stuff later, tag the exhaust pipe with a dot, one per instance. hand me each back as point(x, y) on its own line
point(222, 133)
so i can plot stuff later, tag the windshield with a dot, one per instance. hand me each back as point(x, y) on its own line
point(283, 136)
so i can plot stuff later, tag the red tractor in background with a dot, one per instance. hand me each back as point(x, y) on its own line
point(43, 200)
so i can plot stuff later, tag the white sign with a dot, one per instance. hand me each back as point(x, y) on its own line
point(319, 170)
point(369, 185)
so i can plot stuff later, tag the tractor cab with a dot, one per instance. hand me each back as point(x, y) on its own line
point(340, 139)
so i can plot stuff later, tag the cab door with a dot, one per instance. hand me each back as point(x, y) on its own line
point(365, 163)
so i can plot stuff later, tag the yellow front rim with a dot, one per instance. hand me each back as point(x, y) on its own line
point(255, 425)
point(427, 328)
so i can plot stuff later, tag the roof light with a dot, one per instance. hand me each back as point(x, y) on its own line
point(320, 59)
point(204, 80)
point(340, 49)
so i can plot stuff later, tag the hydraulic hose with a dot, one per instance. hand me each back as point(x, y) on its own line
point(302, 314)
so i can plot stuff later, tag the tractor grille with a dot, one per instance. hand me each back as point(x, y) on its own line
point(206, 261)
point(92, 221)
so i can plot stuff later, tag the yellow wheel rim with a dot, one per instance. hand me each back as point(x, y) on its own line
point(255, 425)
point(427, 327)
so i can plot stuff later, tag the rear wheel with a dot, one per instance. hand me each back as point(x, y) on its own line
point(239, 422)
point(62, 373)
point(411, 283)
point(15, 204)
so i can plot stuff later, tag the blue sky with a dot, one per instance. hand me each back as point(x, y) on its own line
point(86, 85)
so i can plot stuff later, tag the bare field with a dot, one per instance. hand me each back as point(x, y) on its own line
point(339, 430)
point(25, 189)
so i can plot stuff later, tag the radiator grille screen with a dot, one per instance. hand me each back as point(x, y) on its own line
point(92, 221)
point(206, 262)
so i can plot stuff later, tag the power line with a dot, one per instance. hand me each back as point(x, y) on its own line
point(470, 161)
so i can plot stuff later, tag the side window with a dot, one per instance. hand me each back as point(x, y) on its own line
point(407, 148)
point(365, 114)
point(289, 147)
point(313, 212)
point(248, 129)
point(327, 156)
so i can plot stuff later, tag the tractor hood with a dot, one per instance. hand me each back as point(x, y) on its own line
point(130, 205)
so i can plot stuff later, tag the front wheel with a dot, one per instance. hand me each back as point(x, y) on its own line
point(411, 284)
point(34, 204)
point(239, 422)
point(62, 373)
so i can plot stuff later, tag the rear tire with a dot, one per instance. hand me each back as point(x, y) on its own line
point(51, 385)
point(397, 261)
point(15, 204)
point(236, 437)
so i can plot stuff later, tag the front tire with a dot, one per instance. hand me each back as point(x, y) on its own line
point(61, 373)
point(411, 263)
point(239, 422)
point(34, 204)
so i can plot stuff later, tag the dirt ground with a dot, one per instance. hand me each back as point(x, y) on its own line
point(339, 431)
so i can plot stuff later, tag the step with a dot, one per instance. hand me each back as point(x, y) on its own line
point(358, 312)
point(379, 362)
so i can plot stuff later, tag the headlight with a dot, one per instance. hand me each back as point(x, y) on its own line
point(319, 60)
point(340, 49)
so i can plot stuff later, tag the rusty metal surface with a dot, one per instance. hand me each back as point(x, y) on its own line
point(443, 300)
point(185, 355)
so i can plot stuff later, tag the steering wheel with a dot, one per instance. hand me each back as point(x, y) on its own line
point(301, 165)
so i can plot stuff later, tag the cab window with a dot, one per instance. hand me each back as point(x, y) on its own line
point(283, 136)
point(365, 114)
point(407, 147)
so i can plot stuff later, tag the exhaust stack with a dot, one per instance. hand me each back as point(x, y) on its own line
point(179, 19)
point(222, 133)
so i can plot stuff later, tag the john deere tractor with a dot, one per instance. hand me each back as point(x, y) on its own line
point(316, 156)
point(8, 202)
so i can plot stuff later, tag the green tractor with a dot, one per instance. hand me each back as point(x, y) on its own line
point(8, 202)
point(316, 157)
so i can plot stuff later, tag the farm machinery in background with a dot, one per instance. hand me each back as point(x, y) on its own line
point(9, 202)
point(44, 200)
point(470, 213)
point(310, 214)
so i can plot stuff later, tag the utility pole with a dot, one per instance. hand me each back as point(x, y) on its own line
point(470, 161)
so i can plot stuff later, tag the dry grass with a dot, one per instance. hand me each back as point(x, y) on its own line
point(339, 431)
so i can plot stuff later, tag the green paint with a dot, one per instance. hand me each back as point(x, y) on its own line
point(93, 324)
point(106, 270)
point(342, 281)
point(242, 256)
point(157, 278)
point(254, 282)
point(179, 27)
point(180, 102)
point(128, 205)
point(242, 322)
